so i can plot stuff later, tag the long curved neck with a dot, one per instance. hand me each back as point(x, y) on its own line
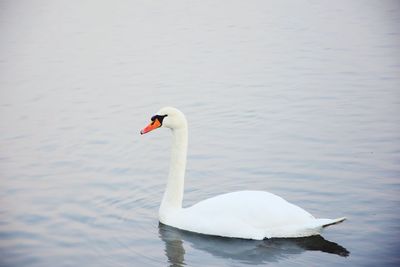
point(173, 195)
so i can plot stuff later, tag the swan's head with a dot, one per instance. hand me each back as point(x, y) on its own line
point(167, 117)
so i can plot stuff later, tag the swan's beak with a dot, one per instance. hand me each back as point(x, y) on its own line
point(153, 125)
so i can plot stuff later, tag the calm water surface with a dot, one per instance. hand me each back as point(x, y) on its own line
point(298, 98)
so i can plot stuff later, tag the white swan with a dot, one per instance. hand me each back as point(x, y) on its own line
point(243, 214)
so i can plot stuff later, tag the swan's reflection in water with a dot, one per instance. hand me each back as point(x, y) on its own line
point(246, 251)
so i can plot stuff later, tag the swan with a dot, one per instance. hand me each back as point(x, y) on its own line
point(244, 214)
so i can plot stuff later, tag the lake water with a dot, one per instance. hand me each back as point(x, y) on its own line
point(298, 98)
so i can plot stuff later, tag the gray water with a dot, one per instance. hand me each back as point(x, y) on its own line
point(298, 98)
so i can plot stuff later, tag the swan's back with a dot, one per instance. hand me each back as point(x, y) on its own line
point(264, 207)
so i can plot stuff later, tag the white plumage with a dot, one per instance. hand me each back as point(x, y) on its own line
point(243, 214)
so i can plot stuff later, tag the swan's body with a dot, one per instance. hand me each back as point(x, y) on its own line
point(243, 214)
point(246, 214)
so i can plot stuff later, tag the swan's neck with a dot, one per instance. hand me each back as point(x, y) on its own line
point(173, 195)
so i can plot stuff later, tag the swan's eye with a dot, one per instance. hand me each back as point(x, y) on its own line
point(160, 118)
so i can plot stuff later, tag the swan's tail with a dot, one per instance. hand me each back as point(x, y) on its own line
point(313, 228)
point(329, 222)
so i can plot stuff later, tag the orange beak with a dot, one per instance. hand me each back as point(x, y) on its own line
point(153, 125)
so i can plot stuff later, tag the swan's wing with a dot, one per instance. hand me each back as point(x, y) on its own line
point(263, 206)
point(246, 214)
